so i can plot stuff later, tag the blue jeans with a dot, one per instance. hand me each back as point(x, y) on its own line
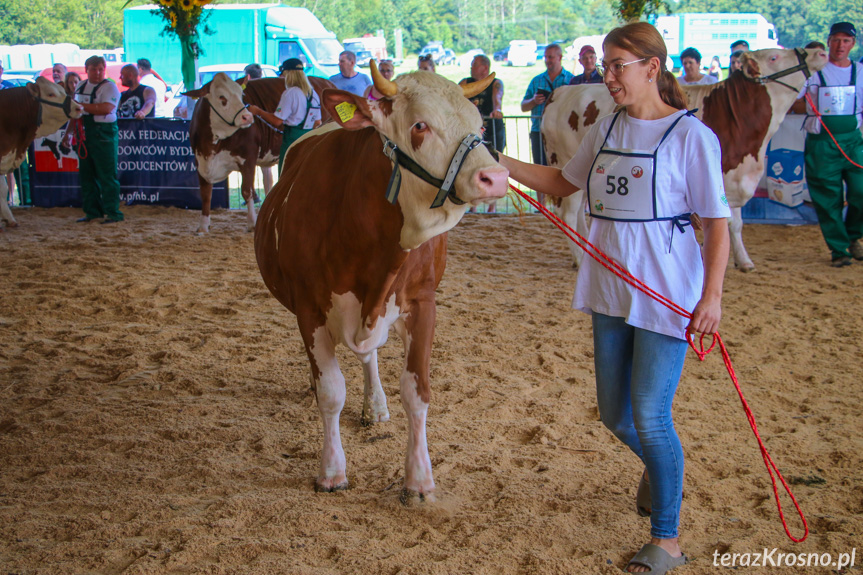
point(637, 372)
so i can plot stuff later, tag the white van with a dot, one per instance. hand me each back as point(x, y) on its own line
point(522, 53)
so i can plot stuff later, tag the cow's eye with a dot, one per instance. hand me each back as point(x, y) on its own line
point(223, 100)
point(420, 127)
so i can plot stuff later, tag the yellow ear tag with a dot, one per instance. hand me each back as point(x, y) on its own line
point(345, 110)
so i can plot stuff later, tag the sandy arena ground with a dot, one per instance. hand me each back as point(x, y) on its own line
point(155, 413)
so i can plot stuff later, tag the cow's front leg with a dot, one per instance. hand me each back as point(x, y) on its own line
point(5, 212)
point(741, 258)
point(248, 190)
point(329, 386)
point(415, 395)
point(206, 198)
point(374, 399)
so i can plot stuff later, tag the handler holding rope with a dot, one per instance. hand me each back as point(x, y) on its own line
point(837, 91)
point(646, 170)
point(299, 109)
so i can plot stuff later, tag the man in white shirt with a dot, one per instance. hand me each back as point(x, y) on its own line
point(837, 93)
point(147, 77)
point(348, 78)
point(691, 60)
point(97, 168)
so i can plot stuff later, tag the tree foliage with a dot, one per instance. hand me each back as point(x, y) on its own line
point(460, 24)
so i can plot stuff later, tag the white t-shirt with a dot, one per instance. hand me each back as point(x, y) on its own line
point(107, 93)
point(705, 79)
point(159, 86)
point(835, 76)
point(292, 108)
point(688, 180)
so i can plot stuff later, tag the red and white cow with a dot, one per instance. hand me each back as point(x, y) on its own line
point(351, 265)
point(743, 112)
point(26, 113)
point(226, 138)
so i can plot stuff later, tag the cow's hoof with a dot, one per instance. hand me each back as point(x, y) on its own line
point(202, 232)
point(330, 486)
point(11, 224)
point(746, 268)
point(409, 497)
point(367, 420)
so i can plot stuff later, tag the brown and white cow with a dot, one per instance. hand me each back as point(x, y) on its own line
point(26, 113)
point(226, 138)
point(743, 112)
point(351, 265)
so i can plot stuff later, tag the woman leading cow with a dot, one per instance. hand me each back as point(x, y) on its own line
point(299, 109)
point(646, 169)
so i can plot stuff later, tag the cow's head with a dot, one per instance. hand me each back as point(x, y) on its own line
point(228, 113)
point(427, 117)
point(764, 63)
point(55, 106)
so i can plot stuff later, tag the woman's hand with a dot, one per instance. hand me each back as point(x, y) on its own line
point(706, 316)
point(255, 110)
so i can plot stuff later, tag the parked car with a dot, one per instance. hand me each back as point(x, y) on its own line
point(436, 50)
point(540, 51)
point(521, 53)
point(448, 57)
point(18, 79)
point(363, 58)
point(466, 58)
point(500, 55)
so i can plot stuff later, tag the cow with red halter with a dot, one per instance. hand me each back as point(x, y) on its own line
point(33, 111)
point(352, 240)
point(744, 111)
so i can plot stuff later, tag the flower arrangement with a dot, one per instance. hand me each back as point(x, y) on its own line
point(183, 17)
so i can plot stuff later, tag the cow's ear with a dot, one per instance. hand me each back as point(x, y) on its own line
point(750, 65)
point(198, 93)
point(34, 89)
point(352, 112)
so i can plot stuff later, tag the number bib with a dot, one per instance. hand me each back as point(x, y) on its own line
point(621, 186)
point(622, 183)
point(837, 100)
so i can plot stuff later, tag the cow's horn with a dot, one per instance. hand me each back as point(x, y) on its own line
point(384, 86)
point(474, 88)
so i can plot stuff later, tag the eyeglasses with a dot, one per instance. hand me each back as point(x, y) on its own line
point(617, 67)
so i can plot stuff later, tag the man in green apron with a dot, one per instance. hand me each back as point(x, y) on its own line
point(299, 109)
point(97, 154)
point(837, 92)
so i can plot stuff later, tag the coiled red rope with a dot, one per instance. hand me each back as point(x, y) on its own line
point(623, 274)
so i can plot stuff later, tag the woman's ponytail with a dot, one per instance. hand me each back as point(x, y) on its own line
point(670, 90)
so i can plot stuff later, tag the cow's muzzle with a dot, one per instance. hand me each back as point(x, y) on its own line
point(66, 106)
point(446, 186)
point(233, 122)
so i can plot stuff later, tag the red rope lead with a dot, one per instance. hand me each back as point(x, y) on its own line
point(829, 133)
point(623, 274)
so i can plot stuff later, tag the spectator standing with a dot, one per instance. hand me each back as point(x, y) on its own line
point(735, 63)
point(252, 72)
point(826, 168)
point(70, 82)
point(426, 62)
point(537, 92)
point(147, 77)
point(4, 84)
point(587, 59)
point(691, 60)
point(348, 78)
point(58, 73)
point(97, 168)
point(138, 101)
point(715, 69)
point(387, 70)
point(489, 102)
point(739, 46)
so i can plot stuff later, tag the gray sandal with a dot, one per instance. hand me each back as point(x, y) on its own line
point(657, 559)
point(642, 498)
